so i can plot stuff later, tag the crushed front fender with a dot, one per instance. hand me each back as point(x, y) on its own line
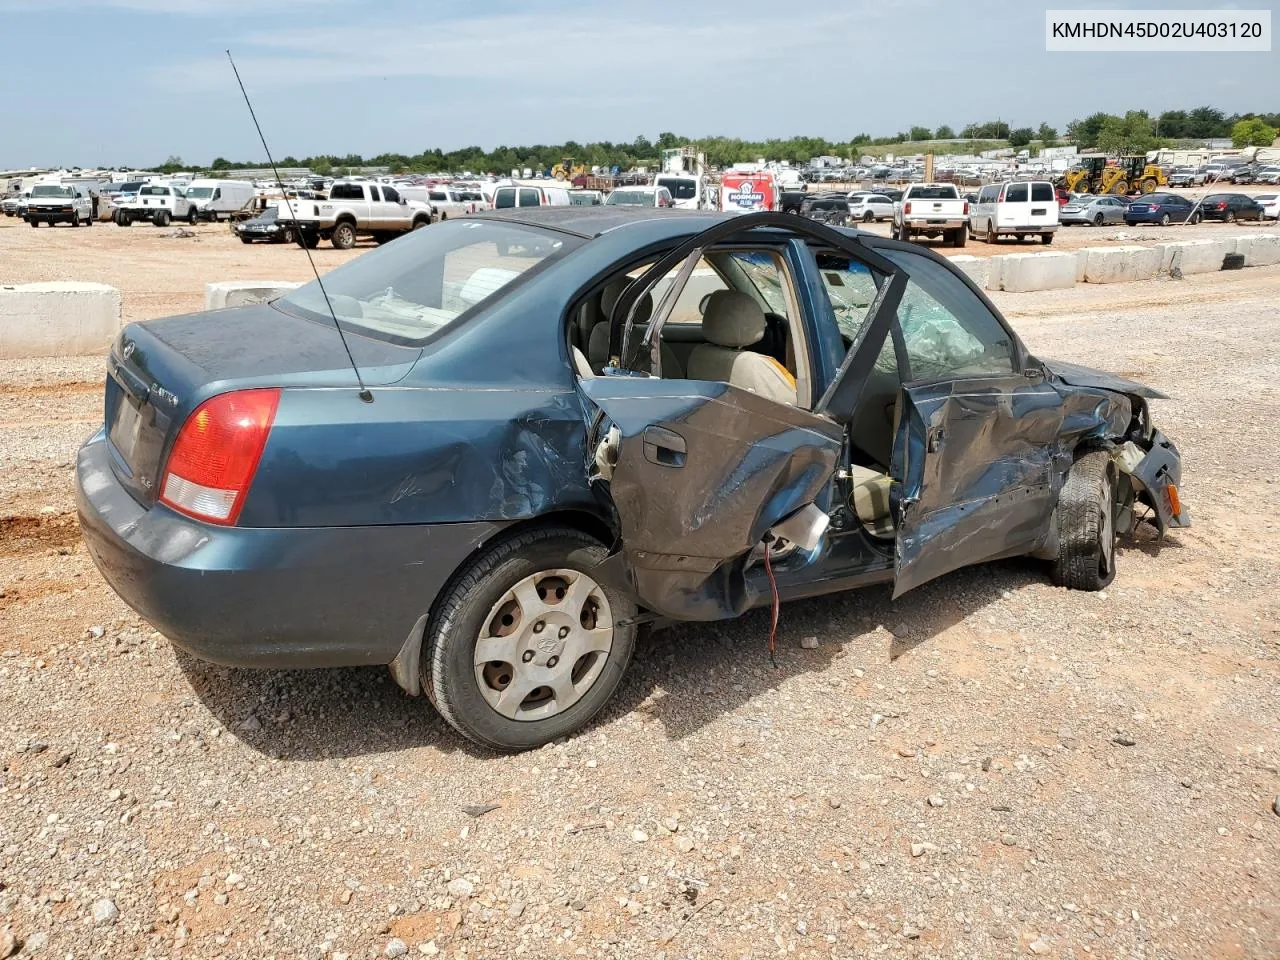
point(1157, 475)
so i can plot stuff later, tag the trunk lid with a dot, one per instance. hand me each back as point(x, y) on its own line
point(159, 371)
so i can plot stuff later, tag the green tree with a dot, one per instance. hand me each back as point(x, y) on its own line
point(321, 166)
point(1204, 123)
point(1085, 132)
point(944, 133)
point(1020, 137)
point(1252, 133)
point(921, 133)
point(1047, 135)
point(1172, 123)
point(1131, 134)
point(220, 163)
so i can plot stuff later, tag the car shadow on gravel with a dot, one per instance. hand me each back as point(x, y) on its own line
point(692, 674)
point(683, 677)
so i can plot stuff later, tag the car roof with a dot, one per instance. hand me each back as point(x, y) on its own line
point(590, 222)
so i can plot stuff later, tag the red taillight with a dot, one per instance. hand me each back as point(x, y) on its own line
point(906, 207)
point(1222, 206)
point(216, 455)
point(1153, 206)
point(966, 208)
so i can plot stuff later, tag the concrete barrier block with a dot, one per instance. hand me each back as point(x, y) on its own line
point(1118, 264)
point(975, 268)
point(58, 319)
point(1194, 256)
point(239, 293)
point(994, 265)
point(1259, 250)
point(1027, 272)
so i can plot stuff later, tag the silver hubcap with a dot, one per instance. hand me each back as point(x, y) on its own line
point(544, 644)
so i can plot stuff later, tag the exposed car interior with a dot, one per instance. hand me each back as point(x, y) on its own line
point(737, 321)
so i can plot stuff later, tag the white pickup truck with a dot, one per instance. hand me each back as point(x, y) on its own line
point(355, 209)
point(932, 210)
point(57, 203)
point(158, 203)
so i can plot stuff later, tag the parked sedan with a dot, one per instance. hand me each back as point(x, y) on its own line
point(265, 226)
point(1270, 203)
point(498, 532)
point(1230, 207)
point(1096, 211)
point(1270, 175)
point(1161, 208)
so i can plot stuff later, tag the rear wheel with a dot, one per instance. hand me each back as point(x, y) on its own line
point(1194, 218)
point(960, 237)
point(1164, 219)
point(526, 646)
point(1231, 216)
point(868, 217)
point(162, 218)
point(903, 233)
point(33, 221)
point(1046, 238)
point(344, 236)
point(1086, 525)
point(191, 216)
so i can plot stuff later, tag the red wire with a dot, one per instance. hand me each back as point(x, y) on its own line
point(773, 587)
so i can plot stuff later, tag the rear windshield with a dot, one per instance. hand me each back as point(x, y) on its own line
point(934, 193)
point(154, 192)
point(409, 290)
point(682, 188)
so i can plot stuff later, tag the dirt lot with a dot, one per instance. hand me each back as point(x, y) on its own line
point(987, 767)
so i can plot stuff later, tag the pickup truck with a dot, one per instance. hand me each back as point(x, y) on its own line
point(55, 203)
point(932, 210)
point(158, 203)
point(355, 209)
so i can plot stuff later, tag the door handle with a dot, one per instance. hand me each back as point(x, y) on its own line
point(663, 447)
point(936, 436)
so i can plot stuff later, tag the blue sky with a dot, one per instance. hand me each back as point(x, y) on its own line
point(135, 81)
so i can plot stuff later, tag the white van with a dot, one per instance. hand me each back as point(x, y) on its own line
point(1015, 208)
point(526, 196)
point(218, 199)
point(688, 191)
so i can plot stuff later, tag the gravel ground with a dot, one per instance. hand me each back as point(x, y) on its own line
point(986, 767)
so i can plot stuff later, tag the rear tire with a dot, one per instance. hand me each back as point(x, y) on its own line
point(1231, 216)
point(344, 236)
point(960, 237)
point(1046, 238)
point(903, 233)
point(162, 219)
point(1164, 219)
point(1086, 525)
point(191, 217)
point(868, 217)
point(33, 221)
point(465, 614)
point(1097, 219)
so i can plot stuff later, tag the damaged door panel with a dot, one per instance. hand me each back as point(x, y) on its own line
point(698, 473)
point(975, 459)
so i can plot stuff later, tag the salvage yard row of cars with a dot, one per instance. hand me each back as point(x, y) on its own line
point(711, 413)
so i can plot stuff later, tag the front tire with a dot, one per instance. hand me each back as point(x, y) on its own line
point(524, 646)
point(344, 236)
point(1086, 525)
point(75, 218)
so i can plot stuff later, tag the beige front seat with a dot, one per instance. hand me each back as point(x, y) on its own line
point(871, 499)
point(732, 321)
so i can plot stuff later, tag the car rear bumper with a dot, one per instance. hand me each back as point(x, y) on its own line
point(267, 597)
point(940, 223)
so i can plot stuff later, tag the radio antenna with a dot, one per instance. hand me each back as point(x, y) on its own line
point(364, 392)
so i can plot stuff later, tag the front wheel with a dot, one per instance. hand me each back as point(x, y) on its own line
point(868, 217)
point(75, 218)
point(191, 216)
point(526, 646)
point(1086, 525)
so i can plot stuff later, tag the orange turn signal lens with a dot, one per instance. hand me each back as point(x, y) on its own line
point(1174, 503)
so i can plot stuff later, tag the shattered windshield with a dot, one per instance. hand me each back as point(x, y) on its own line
point(762, 270)
point(416, 286)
